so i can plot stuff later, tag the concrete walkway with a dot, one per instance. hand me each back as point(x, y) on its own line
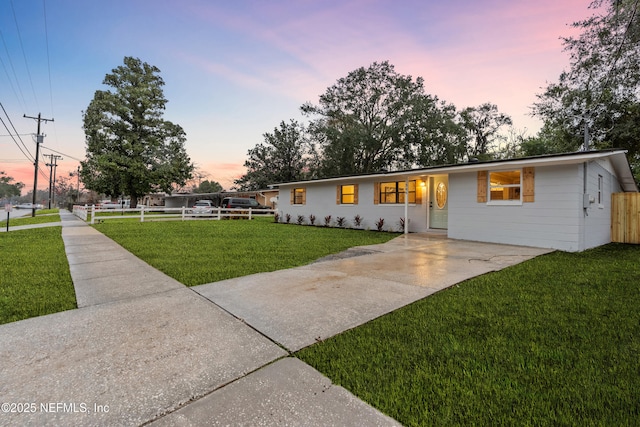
point(142, 348)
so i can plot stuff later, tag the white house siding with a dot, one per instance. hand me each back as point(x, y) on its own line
point(321, 201)
point(597, 222)
point(551, 221)
point(555, 219)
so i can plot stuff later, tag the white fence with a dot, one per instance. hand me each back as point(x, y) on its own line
point(160, 213)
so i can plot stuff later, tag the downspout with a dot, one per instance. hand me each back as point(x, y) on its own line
point(406, 205)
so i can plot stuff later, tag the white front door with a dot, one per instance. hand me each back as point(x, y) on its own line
point(438, 201)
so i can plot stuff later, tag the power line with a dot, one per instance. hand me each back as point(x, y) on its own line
point(29, 156)
point(58, 152)
point(26, 154)
point(24, 55)
point(46, 38)
point(15, 76)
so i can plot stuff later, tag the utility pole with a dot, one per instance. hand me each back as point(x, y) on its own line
point(39, 139)
point(52, 176)
point(586, 131)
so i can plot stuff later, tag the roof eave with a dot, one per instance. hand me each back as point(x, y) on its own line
point(618, 159)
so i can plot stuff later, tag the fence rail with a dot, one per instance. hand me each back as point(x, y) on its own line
point(160, 213)
point(625, 218)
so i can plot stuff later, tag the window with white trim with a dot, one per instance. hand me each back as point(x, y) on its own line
point(600, 188)
point(505, 186)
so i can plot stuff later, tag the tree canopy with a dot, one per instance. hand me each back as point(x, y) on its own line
point(131, 149)
point(375, 118)
point(284, 156)
point(598, 98)
point(483, 124)
point(207, 186)
point(7, 187)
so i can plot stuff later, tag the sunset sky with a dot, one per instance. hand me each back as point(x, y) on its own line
point(234, 69)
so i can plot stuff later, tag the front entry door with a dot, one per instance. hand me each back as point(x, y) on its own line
point(438, 201)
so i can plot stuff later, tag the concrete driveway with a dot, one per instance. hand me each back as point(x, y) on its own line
point(300, 306)
point(144, 349)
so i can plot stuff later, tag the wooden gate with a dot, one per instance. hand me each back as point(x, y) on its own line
point(625, 218)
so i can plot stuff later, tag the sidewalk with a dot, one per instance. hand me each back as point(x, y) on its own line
point(144, 349)
point(141, 345)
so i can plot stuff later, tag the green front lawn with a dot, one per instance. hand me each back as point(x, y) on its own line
point(35, 278)
point(552, 341)
point(198, 252)
point(42, 216)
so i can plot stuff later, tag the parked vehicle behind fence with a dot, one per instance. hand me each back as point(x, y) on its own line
point(202, 207)
point(120, 204)
point(241, 203)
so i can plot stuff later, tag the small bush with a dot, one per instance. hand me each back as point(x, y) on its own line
point(300, 219)
point(340, 221)
point(287, 218)
point(312, 219)
point(327, 221)
point(401, 224)
point(276, 217)
point(357, 220)
point(380, 224)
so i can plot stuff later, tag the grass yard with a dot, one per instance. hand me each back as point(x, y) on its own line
point(42, 216)
point(552, 341)
point(198, 252)
point(35, 277)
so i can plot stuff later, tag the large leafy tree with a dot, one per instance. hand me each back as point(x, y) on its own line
point(207, 186)
point(597, 101)
point(372, 119)
point(435, 134)
point(131, 149)
point(284, 156)
point(7, 187)
point(483, 123)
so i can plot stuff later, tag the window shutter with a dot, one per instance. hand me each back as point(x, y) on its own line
point(293, 195)
point(418, 192)
point(338, 188)
point(304, 196)
point(355, 194)
point(376, 193)
point(482, 186)
point(528, 185)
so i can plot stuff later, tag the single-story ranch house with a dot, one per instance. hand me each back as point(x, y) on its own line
point(560, 201)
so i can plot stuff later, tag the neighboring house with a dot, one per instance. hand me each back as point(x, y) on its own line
point(153, 199)
point(558, 201)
